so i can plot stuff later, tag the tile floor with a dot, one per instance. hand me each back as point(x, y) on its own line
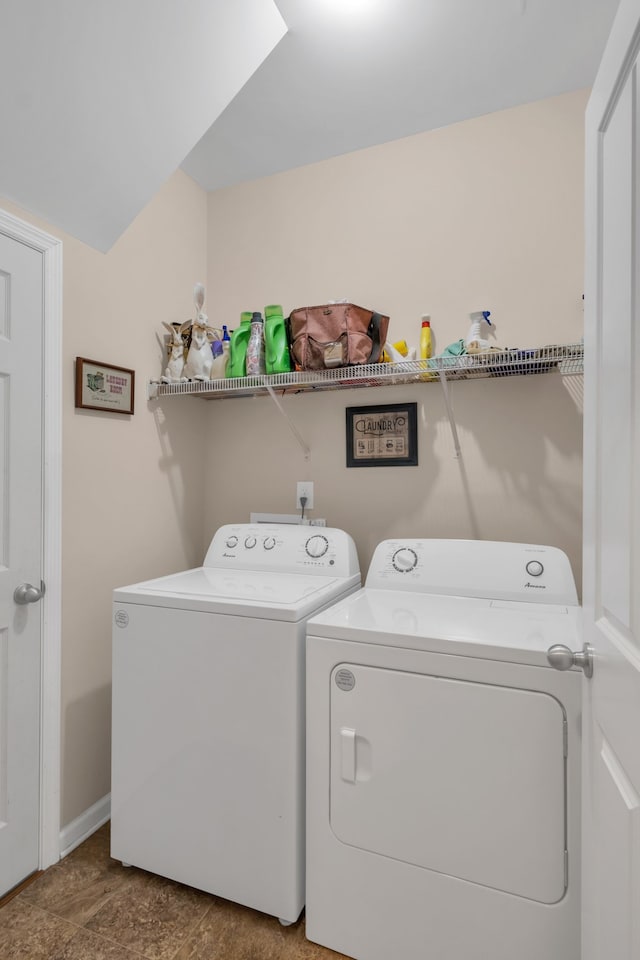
point(90, 907)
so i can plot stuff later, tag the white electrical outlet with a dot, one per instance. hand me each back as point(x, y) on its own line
point(304, 489)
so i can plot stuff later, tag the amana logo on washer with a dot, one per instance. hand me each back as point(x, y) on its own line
point(122, 619)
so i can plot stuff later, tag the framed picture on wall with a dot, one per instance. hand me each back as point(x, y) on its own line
point(101, 386)
point(382, 436)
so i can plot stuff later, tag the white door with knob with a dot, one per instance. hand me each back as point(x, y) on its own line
point(21, 557)
point(611, 598)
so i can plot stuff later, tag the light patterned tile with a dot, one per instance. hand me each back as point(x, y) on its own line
point(29, 933)
point(89, 946)
point(95, 848)
point(232, 932)
point(77, 887)
point(153, 917)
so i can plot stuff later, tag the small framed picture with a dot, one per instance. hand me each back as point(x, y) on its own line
point(382, 436)
point(101, 386)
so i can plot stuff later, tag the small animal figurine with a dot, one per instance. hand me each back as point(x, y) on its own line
point(199, 358)
point(174, 371)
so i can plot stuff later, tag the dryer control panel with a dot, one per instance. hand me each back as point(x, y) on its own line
point(488, 569)
point(283, 548)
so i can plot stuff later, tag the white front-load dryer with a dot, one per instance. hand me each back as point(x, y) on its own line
point(443, 758)
point(208, 712)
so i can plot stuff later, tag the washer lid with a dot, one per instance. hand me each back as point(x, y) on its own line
point(462, 626)
point(273, 595)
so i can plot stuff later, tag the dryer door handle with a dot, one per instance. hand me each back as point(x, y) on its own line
point(348, 748)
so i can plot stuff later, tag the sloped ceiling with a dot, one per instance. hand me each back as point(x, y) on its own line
point(354, 73)
point(103, 99)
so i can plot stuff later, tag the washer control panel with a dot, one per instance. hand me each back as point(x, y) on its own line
point(283, 548)
point(494, 570)
point(405, 559)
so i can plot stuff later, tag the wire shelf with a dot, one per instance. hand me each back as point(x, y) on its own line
point(567, 359)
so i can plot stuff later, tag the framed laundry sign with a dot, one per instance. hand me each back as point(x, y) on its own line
point(101, 386)
point(382, 436)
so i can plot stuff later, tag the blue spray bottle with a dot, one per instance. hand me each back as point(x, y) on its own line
point(480, 329)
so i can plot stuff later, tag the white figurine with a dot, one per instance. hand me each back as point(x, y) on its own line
point(200, 357)
point(174, 371)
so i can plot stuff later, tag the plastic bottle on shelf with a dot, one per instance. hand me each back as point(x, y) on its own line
point(238, 343)
point(480, 329)
point(255, 348)
point(399, 351)
point(276, 345)
point(219, 363)
point(226, 346)
point(426, 345)
point(393, 352)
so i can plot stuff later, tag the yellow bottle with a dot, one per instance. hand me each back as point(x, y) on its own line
point(426, 345)
point(400, 346)
point(425, 338)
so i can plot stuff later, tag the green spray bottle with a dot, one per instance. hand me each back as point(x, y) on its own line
point(276, 343)
point(236, 365)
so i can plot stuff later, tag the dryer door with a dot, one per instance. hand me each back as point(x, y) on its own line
point(467, 779)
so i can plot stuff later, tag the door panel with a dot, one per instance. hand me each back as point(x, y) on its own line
point(21, 294)
point(467, 779)
point(611, 837)
point(618, 810)
point(614, 462)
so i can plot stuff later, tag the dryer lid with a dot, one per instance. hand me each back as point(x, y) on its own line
point(461, 626)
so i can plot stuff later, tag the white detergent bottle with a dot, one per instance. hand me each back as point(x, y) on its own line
point(480, 329)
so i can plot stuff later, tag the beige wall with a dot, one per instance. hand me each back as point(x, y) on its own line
point(486, 214)
point(132, 487)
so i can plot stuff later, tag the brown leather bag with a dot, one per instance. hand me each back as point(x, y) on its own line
point(336, 335)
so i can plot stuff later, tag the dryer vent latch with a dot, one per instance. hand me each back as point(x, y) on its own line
point(562, 658)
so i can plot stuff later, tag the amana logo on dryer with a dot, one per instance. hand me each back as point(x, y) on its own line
point(536, 586)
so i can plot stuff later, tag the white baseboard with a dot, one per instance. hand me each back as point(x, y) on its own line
point(83, 826)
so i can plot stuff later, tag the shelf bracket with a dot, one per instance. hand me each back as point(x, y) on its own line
point(447, 403)
point(292, 426)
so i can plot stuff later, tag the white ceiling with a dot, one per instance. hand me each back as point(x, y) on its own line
point(354, 73)
point(104, 99)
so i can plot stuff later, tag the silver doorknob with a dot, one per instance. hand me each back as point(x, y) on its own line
point(27, 593)
point(562, 658)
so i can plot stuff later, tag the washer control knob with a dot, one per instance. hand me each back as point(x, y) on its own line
point(404, 560)
point(317, 546)
point(232, 542)
point(535, 568)
point(250, 542)
point(269, 543)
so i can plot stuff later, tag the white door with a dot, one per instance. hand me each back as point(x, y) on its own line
point(21, 336)
point(611, 796)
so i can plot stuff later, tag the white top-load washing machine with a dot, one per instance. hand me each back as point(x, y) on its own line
point(443, 758)
point(208, 712)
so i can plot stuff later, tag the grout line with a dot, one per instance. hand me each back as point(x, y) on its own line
point(197, 924)
point(80, 927)
point(116, 943)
